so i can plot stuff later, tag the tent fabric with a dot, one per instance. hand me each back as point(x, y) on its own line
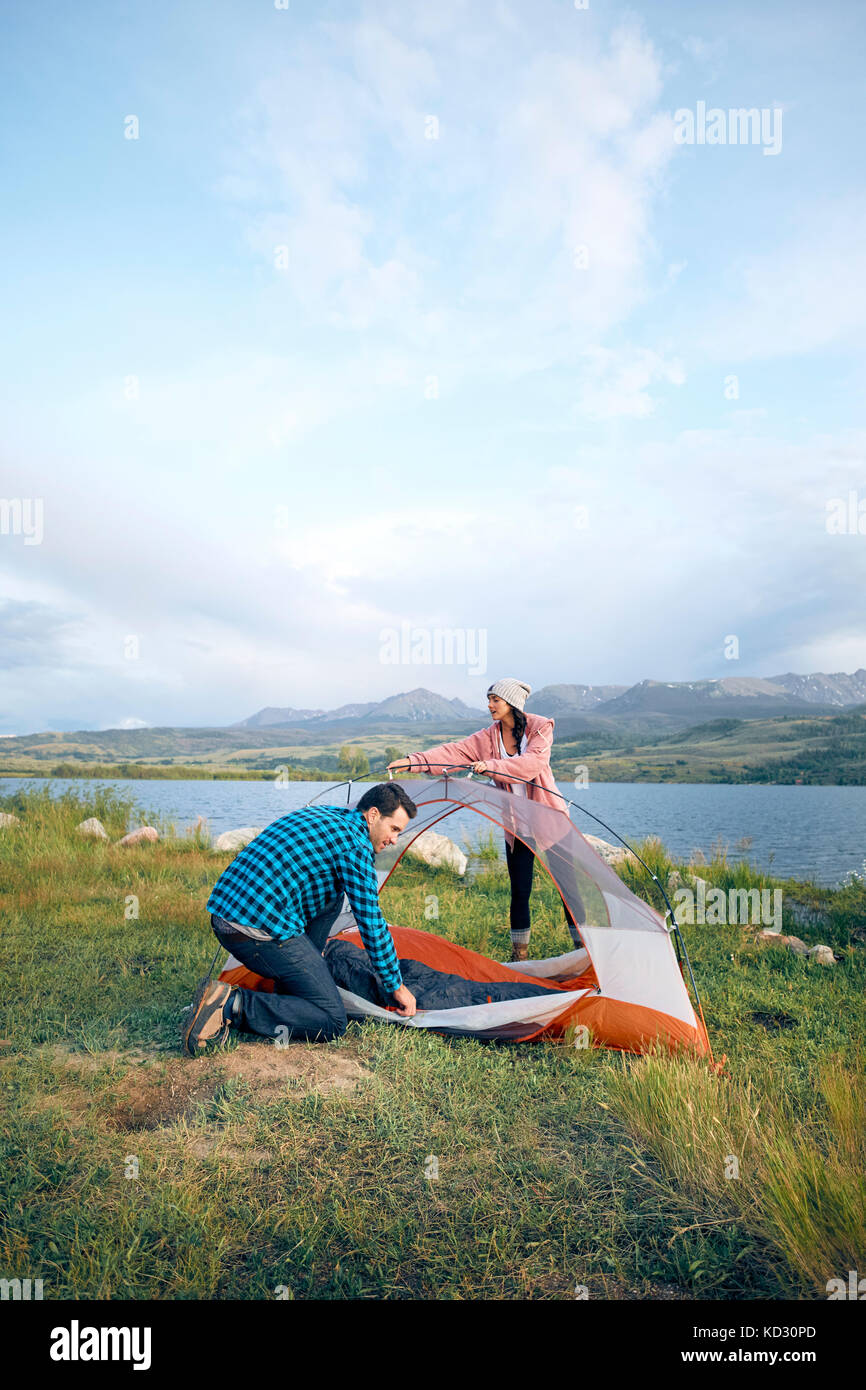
point(625, 985)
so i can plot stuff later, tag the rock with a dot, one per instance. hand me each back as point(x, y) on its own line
point(823, 955)
point(792, 942)
point(611, 854)
point(7, 818)
point(675, 882)
point(696, 879)
point(438, 850)
point(140, 836)
point(236, 839)
point(93, 828)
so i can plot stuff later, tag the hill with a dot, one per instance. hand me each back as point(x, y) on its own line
point(732, 729)
point(553, 700)
point(826, 751)
point(736, 696)
point(411, 706)
point(839, 689)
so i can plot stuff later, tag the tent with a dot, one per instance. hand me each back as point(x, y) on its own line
point(625, 985)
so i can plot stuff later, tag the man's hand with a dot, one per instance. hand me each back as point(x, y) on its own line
point(405, 1001)
point(401, 765)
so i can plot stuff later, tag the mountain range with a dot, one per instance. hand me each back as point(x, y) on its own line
point(745, 697)
point(786, 729)
point(412, 706)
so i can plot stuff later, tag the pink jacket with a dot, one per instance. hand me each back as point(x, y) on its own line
point(483, 746)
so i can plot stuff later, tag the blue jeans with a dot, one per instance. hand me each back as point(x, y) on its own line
point(306, 1003)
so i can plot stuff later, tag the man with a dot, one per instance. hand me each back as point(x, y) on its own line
point(274, 906)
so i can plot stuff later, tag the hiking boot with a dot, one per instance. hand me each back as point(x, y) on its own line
point(519, 952)
point(206, 1023)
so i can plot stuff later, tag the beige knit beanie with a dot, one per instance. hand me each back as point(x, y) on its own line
point(512, 690)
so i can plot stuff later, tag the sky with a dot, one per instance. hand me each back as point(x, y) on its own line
point(355, 347)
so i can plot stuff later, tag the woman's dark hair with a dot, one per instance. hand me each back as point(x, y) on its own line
point(386, 797)
point(519, 721)
point(519, 724)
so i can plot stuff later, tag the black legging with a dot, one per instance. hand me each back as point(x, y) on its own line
point(521, 864)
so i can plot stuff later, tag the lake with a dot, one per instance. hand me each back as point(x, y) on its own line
point(795, 832)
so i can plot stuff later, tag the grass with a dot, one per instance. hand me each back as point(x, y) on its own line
point(788, 1172)
point(395, 1164)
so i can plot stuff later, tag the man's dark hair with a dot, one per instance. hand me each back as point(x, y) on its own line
point(386, 797)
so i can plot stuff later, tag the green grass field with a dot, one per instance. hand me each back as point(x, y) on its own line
point(392, 1163)
point(825, 751)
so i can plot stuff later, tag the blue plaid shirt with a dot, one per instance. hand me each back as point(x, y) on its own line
point(284, 877)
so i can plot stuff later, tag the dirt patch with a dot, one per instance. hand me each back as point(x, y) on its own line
point(302, 1068)
point(151, 1091)
point(150, 1102)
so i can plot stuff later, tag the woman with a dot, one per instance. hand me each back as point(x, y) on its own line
point(517, 743)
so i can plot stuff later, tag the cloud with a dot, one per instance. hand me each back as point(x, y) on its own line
point(312, 137)
point(277, 496)
point(682, 542)
point(615, 383)
point(708, 53)
point(32, 634)
point(808, 294)
point(573, 158)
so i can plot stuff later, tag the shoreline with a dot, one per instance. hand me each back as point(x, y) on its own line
point(191, 774)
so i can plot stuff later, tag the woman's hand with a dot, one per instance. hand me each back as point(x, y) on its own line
point(400, 765)
point(479, 767)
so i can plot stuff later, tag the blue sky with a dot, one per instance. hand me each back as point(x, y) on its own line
point(437, 410)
